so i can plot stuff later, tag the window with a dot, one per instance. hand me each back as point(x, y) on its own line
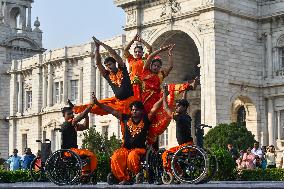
point(61, 91)
point(74, 91)
point(24, 142)
point(105, 131)
point(56, 86)
point(241, 116)
point(163, 141)
point(28, 99)
point(281, 51)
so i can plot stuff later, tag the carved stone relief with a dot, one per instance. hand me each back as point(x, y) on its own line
point(131, 17)
point(171, 7)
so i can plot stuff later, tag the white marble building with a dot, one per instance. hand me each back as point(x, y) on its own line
point(17, 40)
point(237, 47)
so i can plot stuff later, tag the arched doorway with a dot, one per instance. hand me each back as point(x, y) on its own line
point(244, 112)
point(186, 55)
point(186, 67)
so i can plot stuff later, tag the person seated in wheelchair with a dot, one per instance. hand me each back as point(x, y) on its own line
point(126, 161)
point(69, 130)
point(183, 127)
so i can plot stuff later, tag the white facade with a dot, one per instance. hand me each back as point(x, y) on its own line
point(17, 40)
point(237, 47)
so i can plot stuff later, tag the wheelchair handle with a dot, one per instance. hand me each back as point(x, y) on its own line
point(202, 126)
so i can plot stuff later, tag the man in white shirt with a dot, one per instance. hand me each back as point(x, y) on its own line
point(257, 150)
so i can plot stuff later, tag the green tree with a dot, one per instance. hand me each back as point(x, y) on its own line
point(103, 147)
point(233, 133)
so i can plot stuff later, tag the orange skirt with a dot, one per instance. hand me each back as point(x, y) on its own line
point(119, 105)
point(124, 161)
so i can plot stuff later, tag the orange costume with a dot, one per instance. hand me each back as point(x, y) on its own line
point(151, 94)
point(122, 88)
point(126, 159)
point(136, 66)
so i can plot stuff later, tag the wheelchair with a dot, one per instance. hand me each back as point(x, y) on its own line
point(190, 164)
point(151, 169)
point(64, 167)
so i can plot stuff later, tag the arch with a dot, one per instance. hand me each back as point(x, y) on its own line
point(251, 113)
point(15, 14)
point(186, 55)
point(190, 31)
point(33, 44)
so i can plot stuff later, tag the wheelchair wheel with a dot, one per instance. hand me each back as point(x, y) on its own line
point(139, 178)
point(94, 178)
point(213, 166)
point(63, 167)
point(111, 179)
point(37, 170)
point(167, 178)
point(190, 164)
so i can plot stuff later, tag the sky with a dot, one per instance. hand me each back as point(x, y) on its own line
point(73, 22)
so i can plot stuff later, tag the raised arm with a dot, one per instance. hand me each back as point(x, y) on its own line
point(108, 109)
point(99, 59)
point(84, 113)
point(111, 51)
point(149, 47)
point(171, 62)
point(85, 125)
point(126, 49)
point(153, 54)
point(165, 102)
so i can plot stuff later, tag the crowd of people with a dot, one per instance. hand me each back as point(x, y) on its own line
point(256, 157)
point(16, 162)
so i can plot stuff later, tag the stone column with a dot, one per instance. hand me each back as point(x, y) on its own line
point(279, 126)
point(12, 135)
point(20, 93)
point(81, 85)
point(29, 17)
point(44, 86)
point(270, 120)
point(65, 81)
point(23, 19)
point(98, 84)
point(13, 94)
point(50, 86)
point(269, 55)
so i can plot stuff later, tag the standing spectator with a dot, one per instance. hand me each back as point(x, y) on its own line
point(239, 160)
point(27, 159)
point(248, 159)
point(14, 161)
point(271, 157)
point(264, 161)
point(257, 150)
point(233, 151)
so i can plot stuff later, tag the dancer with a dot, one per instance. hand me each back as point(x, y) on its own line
point(117, 77)
point(136, 63)
point(134, 128)
point(183, 126)
point(69, 130)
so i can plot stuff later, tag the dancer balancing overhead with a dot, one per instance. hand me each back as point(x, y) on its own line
point(136, 62)
point(134, 126)
point(69, 130)
point(117, 77)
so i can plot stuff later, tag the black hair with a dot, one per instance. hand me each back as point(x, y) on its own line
point(137, 104)
point(183, 102)
point(157, 60)
point(109, 59)
point(65, 109)
point(139, 47)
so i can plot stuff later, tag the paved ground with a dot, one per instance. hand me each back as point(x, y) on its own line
point(211, 185)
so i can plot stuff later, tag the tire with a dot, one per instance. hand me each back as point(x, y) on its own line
point(37, 170)
point(111, 179)
point(167, 178)
point(213, 166)
point(190, 165)
point(139, 178)
point(63, 167)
